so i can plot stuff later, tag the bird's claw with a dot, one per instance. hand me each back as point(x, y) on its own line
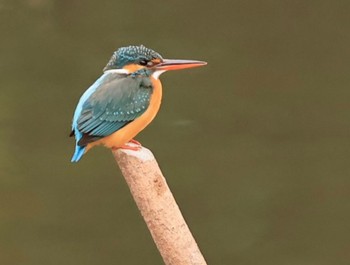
point(128, 147)
point(133, 141)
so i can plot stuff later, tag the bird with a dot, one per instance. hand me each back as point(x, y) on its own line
point(123, 101)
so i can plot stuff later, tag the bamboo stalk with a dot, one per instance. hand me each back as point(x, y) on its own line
point(158, 207)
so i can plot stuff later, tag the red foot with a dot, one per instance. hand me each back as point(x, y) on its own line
point(135, 142)
point(128, 147)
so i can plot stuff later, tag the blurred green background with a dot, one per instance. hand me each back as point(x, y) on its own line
point(255, 146)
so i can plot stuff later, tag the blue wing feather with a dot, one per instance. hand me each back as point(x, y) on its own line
point(109, 104)
point(79, 150)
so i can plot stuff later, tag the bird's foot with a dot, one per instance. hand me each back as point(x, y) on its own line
point(128, 147)
point(135, 142)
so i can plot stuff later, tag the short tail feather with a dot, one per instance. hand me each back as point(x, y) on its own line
point(79, 152)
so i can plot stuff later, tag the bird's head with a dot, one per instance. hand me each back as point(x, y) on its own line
point(133, 58)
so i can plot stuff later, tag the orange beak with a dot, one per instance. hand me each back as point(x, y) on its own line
point(170, 64)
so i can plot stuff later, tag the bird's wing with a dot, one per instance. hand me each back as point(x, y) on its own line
point(115, 103)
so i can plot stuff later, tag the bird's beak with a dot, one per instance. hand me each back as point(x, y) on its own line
point(171, 64)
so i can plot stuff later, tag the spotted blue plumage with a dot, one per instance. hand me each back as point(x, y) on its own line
point(134, 54)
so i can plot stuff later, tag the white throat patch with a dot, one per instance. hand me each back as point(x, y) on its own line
point(157, 73)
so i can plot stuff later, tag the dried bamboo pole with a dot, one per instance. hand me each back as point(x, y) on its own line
point(158, 207)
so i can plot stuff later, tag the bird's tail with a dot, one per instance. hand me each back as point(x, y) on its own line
point(79, 152)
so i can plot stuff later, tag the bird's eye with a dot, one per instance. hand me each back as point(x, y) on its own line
point(143, 62)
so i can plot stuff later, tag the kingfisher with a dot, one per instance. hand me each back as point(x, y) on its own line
point(123, 101)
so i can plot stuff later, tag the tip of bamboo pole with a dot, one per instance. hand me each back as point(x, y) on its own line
point(158, 207)
point(143, 154)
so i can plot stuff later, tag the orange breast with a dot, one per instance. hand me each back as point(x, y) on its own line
point(128, 132)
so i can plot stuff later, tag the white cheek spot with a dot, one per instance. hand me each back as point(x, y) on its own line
point(157, 73)
point(117, 71)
